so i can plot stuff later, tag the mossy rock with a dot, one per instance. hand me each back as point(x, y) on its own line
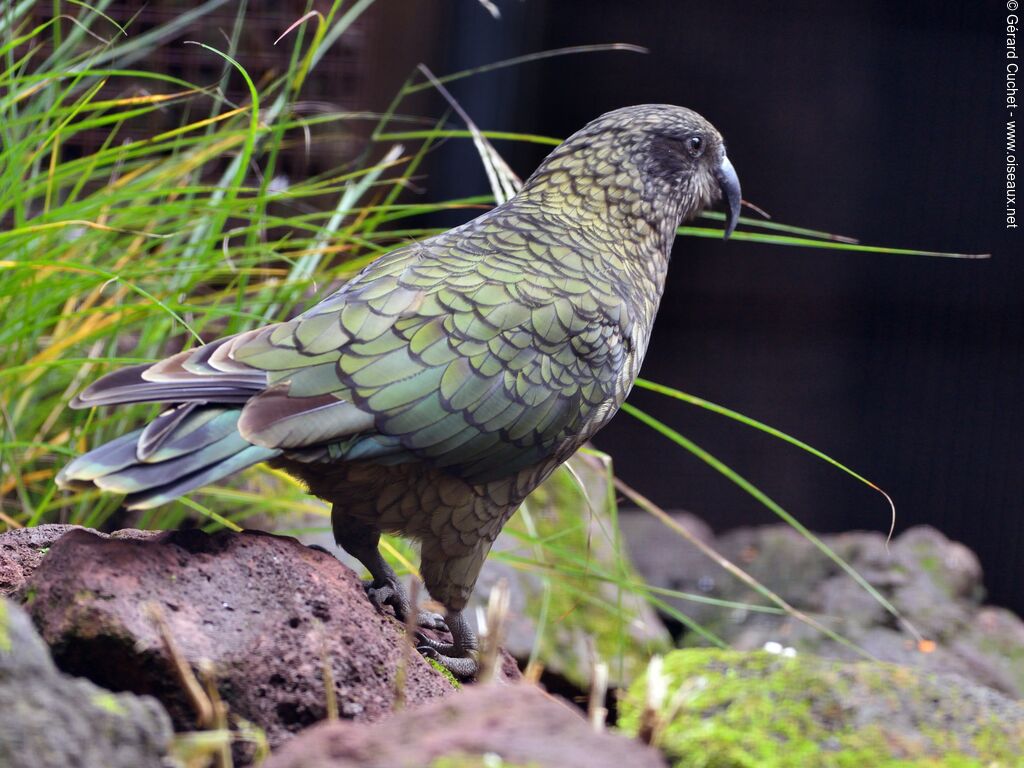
point(53, 720)
point(731, 709)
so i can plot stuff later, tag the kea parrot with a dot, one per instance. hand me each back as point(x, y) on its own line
point(430, 394)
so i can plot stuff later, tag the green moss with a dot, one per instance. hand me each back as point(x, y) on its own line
point(727, 709)
point(5, 632)
point(30, 595)
point(445, 672)
point(108, 702)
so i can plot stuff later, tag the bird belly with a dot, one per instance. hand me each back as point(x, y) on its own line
point(419, 501)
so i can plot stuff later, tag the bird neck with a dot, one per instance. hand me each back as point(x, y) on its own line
point(629, 226)
point(590, 192)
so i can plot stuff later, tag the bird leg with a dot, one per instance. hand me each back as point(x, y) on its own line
point(384, 588)
point(458, 656)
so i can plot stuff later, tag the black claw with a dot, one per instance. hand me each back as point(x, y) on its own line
point(459, 662)
point(388, 593)
point(430, 620)
point(446, 649)
point(427, 652)
point(381, 593)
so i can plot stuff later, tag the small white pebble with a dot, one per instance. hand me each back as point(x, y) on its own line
point(772, 647)
point(278, 184)
point(788, 652)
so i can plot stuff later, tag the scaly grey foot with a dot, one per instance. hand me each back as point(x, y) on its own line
point(458, 656)
point(391, 592)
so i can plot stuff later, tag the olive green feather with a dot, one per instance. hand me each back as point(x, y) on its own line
point(431, 393)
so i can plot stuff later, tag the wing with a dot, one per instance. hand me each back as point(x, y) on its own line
point(482, 351)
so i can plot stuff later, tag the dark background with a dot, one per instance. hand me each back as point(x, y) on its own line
point(879, 120)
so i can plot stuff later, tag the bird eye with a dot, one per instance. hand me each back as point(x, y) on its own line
point(695, 145)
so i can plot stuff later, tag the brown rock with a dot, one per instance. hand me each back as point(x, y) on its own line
point(23, 549)
point(519, 723)
point(21, 552)
point(266, 611)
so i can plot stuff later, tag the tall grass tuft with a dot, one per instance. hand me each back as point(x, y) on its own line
point(156, 241)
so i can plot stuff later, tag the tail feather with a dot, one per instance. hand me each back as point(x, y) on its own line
point(186, 451)
point(158, 495)
point(159, 429)
point(145, 475)
point(163, 393)
point(163, 383)
point(197, 429)
point(110, 457)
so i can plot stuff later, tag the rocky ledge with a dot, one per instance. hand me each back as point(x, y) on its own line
point(260, 644)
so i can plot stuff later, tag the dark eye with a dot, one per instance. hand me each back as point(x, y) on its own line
point(695, 145)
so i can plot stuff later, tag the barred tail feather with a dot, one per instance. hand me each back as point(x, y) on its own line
point(154, 497)
point(185, 452)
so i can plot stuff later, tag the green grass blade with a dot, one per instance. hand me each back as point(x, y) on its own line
point(528, 58)
point(806, 242)
point(744, 484)
point(700, 402)
point(779, 227)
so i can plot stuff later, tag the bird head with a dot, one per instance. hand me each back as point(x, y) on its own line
point(656, 160)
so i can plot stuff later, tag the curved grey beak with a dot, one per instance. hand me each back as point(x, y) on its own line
point(729, 183)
